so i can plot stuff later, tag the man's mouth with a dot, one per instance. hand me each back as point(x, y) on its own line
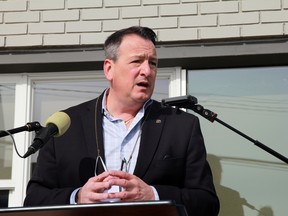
point(143, 84)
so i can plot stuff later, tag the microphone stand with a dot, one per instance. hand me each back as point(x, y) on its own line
point(211, 116)
point(190, 102)
point(31, 126)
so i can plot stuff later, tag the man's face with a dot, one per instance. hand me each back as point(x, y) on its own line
point(132, 75)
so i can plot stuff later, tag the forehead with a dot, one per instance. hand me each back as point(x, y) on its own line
point(136, 44)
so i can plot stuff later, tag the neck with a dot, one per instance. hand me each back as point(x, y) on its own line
point(122, 109)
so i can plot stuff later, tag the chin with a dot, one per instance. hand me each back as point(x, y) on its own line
point(143, 98)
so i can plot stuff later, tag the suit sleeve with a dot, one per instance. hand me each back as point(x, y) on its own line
point(43, 187)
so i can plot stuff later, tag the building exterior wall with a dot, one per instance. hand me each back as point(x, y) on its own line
point(42, 23)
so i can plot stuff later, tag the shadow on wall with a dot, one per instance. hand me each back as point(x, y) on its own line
point(230, 201)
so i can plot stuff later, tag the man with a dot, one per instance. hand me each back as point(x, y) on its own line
point(145, 151)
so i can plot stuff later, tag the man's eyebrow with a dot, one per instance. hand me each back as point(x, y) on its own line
point(154, 57)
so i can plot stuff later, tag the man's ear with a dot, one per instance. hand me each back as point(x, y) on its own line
point(108, 69)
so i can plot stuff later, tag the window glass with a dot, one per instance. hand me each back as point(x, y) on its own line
point(254, 101)
point(7, 103)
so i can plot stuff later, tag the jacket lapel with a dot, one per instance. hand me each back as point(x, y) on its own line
point(151, 133)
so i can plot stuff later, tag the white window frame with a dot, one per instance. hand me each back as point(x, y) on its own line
point(21, 116)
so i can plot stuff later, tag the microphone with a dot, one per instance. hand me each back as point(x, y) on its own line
point(190, 102)
point(30, 126)
point(186, 101)
point(56, 125)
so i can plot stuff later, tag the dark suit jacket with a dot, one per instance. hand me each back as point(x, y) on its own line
point(172, 158)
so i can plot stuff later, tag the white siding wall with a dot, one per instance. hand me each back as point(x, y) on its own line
point(28, 23)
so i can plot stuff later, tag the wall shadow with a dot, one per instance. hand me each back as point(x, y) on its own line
point(266, 211)
point(231, 203)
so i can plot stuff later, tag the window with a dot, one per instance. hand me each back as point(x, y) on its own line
point(254, 101)
point(7, 103)
point(14, 106)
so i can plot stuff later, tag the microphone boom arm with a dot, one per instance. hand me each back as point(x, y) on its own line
point(211, 116)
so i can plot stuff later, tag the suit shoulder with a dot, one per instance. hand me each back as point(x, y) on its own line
point(87, 105)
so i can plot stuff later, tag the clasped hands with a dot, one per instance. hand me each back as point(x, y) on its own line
point(133, 188)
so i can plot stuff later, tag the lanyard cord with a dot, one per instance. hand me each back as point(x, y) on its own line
point(97, 143)
point(96, 134)
point(123, 160)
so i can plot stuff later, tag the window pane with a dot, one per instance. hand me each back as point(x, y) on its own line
point(7, 103)
point(254, 101)
point(53, 96)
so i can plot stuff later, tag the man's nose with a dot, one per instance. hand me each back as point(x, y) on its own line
point(145, 68)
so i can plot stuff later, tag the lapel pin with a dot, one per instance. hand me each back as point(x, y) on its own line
point(158, 121)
